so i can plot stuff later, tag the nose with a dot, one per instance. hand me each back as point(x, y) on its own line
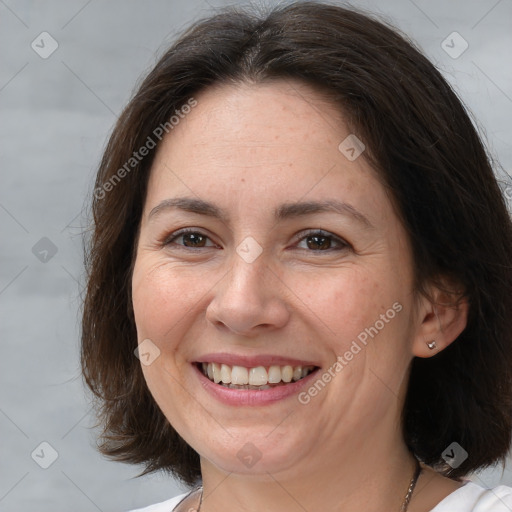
point(248, 299)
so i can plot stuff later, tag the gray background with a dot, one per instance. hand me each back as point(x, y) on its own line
point(56, 115)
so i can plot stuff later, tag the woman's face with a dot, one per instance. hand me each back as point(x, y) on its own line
point(294, 258)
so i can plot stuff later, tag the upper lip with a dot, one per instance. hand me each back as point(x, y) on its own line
point(252, 361)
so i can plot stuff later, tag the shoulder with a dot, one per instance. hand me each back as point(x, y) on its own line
point(474, 498)
point(164, 506)
point(469, 498)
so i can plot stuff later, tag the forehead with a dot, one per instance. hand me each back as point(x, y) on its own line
point(264, 116)
point(258, 143)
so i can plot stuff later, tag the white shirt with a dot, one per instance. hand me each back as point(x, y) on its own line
point(468, 498)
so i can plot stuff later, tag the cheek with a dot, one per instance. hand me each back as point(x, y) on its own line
point(162, 297)
point(343, 301)
point(361, 306)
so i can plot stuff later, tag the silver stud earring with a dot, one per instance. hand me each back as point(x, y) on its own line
point(431, 344)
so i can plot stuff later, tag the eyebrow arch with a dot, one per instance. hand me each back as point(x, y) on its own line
point(283, 212)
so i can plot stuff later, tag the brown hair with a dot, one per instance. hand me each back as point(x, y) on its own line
point(425, 149)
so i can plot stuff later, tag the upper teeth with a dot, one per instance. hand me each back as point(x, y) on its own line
point(258, 376)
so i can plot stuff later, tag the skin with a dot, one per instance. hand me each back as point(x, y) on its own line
point(248, 148)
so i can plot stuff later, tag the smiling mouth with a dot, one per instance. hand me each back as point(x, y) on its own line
point(259, 378)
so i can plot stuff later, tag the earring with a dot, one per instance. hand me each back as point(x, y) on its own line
point(432, 344)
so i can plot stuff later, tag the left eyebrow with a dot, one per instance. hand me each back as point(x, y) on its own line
point(283, 212)
point(289, 210)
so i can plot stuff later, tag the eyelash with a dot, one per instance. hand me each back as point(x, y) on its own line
point(318, 232)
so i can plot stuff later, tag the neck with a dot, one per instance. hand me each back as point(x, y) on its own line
point(371, 477)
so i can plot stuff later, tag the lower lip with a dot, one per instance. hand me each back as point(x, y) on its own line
point(253, 397)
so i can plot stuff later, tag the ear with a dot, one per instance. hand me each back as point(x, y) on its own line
point(440, 319)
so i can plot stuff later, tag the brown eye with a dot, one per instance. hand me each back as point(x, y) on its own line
point(189, 239)
point(194, 239)
point(320, 241)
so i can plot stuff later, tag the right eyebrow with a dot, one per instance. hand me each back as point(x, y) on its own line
point(189, 204)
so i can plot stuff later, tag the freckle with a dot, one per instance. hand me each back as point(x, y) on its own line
point(243, 180)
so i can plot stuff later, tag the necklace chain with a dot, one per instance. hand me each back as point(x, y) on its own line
point(412, 485)
point(405, 504)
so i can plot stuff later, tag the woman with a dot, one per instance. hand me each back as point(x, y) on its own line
point(300, 237)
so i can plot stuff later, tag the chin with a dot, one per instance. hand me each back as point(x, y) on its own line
point(250, 453)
